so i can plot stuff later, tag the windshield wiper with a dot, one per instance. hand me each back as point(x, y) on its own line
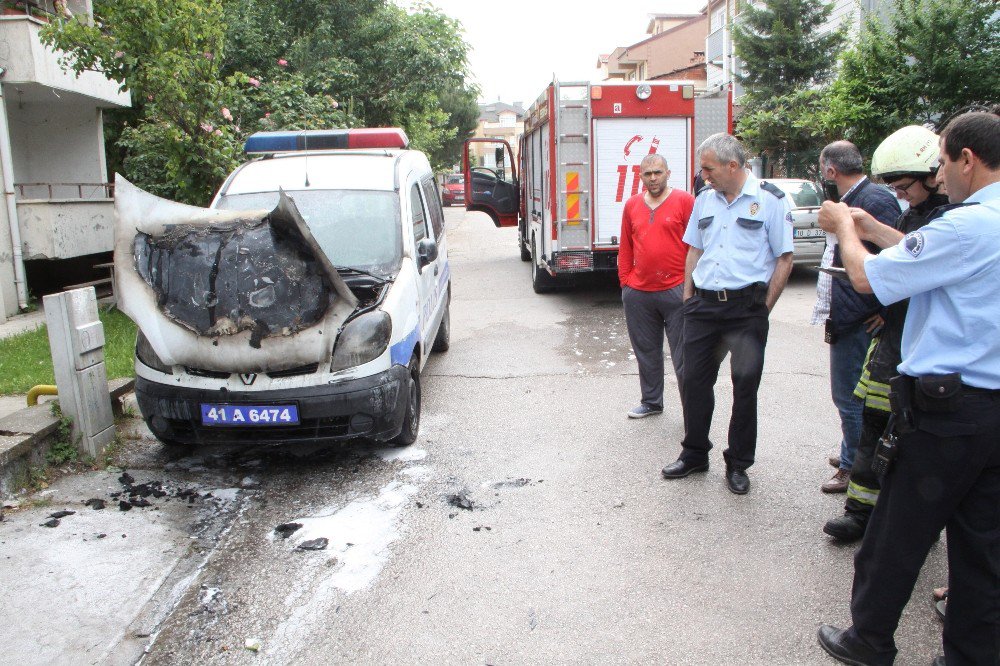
point(350, 270)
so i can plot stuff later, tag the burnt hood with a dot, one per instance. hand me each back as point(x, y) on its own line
point(232, 291)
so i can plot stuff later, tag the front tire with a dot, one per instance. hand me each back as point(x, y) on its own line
point(411, 418)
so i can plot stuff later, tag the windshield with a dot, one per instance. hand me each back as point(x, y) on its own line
point(802, 192)
point(454, 180)
point(356, 228)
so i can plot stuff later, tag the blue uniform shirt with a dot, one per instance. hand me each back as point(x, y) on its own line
point(741, 240)
point(950, 270)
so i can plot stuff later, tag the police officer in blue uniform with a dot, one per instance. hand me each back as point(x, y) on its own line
point(740, 233)
point(943, 465)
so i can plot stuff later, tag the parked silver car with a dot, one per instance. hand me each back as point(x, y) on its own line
point(806, 199)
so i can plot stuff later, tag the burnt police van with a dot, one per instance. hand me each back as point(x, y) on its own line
point(301, 306)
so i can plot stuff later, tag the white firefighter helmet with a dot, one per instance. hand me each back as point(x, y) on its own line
point(910, 150)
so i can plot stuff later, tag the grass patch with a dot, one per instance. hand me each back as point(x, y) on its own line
point(25, 359)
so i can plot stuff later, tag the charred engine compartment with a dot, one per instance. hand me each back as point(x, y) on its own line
point(235, 277)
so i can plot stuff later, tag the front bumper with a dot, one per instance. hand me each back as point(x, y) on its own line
point(369, 408)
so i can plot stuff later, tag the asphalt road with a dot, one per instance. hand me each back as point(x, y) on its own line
point(529, 523)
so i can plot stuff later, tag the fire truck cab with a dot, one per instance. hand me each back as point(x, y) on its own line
point(578, 164)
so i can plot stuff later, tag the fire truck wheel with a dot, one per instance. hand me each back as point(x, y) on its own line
point(523, 246)
point(541, 281)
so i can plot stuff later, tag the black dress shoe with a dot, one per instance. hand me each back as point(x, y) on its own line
point(738, 480)
point(680, 468)
point(839, 645)
point(847, 528)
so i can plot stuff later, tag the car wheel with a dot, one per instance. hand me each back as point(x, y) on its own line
point(411, 419)
point(442, 341)
point(541, 281)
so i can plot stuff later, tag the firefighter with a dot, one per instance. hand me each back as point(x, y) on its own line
point(907, 161)
point(740, 233)
point(651, 271)
point(943, 457)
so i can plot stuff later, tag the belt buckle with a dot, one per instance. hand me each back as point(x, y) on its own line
point(723, 296)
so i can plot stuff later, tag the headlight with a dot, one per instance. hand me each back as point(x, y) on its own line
point(144, 352)
point(363, 339)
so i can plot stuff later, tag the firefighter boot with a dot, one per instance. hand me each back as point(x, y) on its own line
point(848, 527)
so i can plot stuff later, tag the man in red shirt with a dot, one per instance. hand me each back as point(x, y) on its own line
point(651, 260)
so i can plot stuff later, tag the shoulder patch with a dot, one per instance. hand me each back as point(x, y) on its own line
point(772, 188)
point(914, 243)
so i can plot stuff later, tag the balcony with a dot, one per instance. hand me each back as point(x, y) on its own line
point(33, 69)
point(713, 47)
point(65, 220)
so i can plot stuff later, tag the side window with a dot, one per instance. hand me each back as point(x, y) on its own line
point(417, 212)
point(433, 200)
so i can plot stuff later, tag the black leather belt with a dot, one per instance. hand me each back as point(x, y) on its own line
point(975, 390)
point(726, 294)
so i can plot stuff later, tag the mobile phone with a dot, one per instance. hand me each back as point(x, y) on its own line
point(830, 191)
point(835, 271)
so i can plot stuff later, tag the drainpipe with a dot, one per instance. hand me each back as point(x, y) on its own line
point(7, 167)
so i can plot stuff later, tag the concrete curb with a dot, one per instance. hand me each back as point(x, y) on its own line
point(26, 436)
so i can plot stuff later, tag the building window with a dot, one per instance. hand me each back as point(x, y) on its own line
point(507, 120)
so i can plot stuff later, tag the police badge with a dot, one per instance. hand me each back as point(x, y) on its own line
point(754, 207)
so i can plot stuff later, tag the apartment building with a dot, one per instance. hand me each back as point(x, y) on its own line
point(57, 202)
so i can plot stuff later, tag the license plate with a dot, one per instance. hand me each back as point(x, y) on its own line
point(249, 415)
point(809, 233)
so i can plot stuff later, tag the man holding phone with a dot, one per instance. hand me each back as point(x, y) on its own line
point(853, 317)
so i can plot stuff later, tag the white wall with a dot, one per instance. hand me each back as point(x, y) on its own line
point(55, 143)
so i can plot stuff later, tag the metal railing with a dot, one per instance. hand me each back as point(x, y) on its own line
point(40, 9)
point(65, 190)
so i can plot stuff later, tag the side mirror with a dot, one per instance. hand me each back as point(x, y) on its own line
point(427, 251)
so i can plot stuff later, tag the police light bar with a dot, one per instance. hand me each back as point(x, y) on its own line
point(367, 137)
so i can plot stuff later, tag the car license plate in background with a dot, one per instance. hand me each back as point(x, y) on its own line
point(249, 415)
point(809, 233)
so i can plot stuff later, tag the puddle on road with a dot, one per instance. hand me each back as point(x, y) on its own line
point(357, 536)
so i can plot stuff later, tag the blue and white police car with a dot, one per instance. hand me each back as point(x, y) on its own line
point(302, 305)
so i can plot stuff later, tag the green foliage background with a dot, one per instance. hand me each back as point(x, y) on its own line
point(926, 61)
point(204, 74)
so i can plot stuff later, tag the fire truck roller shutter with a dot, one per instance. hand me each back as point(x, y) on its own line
point(620, 145)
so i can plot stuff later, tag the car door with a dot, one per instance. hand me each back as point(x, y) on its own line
point(491, 181)
point(425, 261)
point(442, 269)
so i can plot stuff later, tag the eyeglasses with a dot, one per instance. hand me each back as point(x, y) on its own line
point(901, 189)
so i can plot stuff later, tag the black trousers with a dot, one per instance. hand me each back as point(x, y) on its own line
point(864, 486)
point(946, 475)
point(711, 330)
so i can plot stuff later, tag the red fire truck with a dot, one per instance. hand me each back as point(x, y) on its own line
point(579, 163)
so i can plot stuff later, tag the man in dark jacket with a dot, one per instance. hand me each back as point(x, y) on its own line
point(907, 162)
point(854, 317)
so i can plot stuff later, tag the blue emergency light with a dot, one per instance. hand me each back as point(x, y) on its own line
point(367, 137)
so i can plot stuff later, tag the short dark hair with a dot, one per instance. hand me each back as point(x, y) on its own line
point(653, 157)
point(843, 156)
point(979, 131)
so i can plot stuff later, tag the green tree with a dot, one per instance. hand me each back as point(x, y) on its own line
point(781, 47)
point(931, 59)
point(167, 56)
point(784, 60)
point(204, 74)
